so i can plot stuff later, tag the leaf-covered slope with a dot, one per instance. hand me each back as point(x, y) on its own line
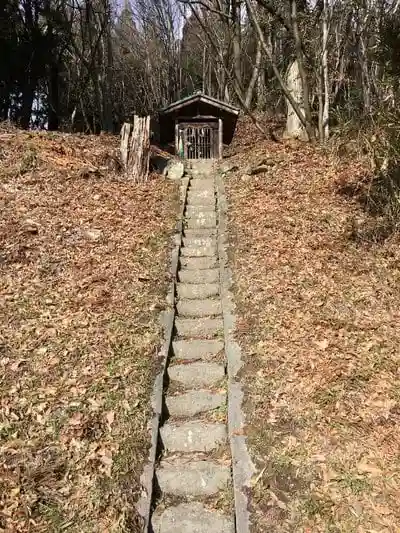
point(318, 324)
point(83, 263)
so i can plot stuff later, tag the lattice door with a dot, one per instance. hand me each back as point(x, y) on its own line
point(199, 141)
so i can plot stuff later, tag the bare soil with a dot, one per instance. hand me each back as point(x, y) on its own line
point(83, 271)
point(318, 323)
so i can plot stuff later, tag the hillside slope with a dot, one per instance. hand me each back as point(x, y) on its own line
point(318, 315)
point(83, 263)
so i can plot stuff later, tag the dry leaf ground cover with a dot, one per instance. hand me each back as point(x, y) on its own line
point(83, 262)
point(318, 321)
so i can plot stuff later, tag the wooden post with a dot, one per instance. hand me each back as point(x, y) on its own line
point(176, 138)
point(135, 148)
point(125, 135)
point(220, 138)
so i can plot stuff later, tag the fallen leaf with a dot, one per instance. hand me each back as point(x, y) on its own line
point(75, 419)
point(322, 345)
point(110, 415)
point(369, 469)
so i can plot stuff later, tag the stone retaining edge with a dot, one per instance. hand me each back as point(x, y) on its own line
point(167, 319)
point(242, 466)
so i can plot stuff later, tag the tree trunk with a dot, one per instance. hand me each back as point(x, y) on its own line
point(125, 137)
point(5, 103)
point(204, 71)
point(254, 76)
point(227, 97)
point(302, 71)
point(25, 113)
point(135, 149)
point(107, 98)
point(294, 126)
point(365, 78)
point(52, 118)
point(320, 80)
point(325, 73)
point(261, 90)
point(295, 107)
point(237, 53)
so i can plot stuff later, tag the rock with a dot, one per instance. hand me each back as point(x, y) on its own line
point(267, 161)
point(159, 163)
point(245, 177)
point(93, 234)
point(31, 227)
point(228, 167)
point(174, 170)
point(87, 172)
point(260, 169)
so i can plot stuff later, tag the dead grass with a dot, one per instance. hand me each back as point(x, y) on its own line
point(82, 280)
point(318, 324)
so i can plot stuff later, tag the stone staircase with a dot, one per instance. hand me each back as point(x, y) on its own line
point(193, 476)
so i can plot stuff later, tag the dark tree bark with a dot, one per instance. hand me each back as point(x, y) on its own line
point(54, 104)
point(25, 112)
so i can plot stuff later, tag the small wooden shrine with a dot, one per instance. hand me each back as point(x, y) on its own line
point(199, 126)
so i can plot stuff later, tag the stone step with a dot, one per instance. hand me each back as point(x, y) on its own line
point(197, 374)
point(196, 349)
point(202, 232)
point(199, 200)
point(199, 241)
point(202, 184)
point(199, 327)
point(193, 210)
point(192, 436)
point(191, 291)
point(192, 478)
point(198, 206)
point(206, 195)
point(198, 177)
point(199, 251)
point(194, 402)
point(203, 212)
point(195, 223)
point(209, 275)
point(198, 263)
point(199, 308)
point(202, 192)
point(203, 172)
point(191, 518)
